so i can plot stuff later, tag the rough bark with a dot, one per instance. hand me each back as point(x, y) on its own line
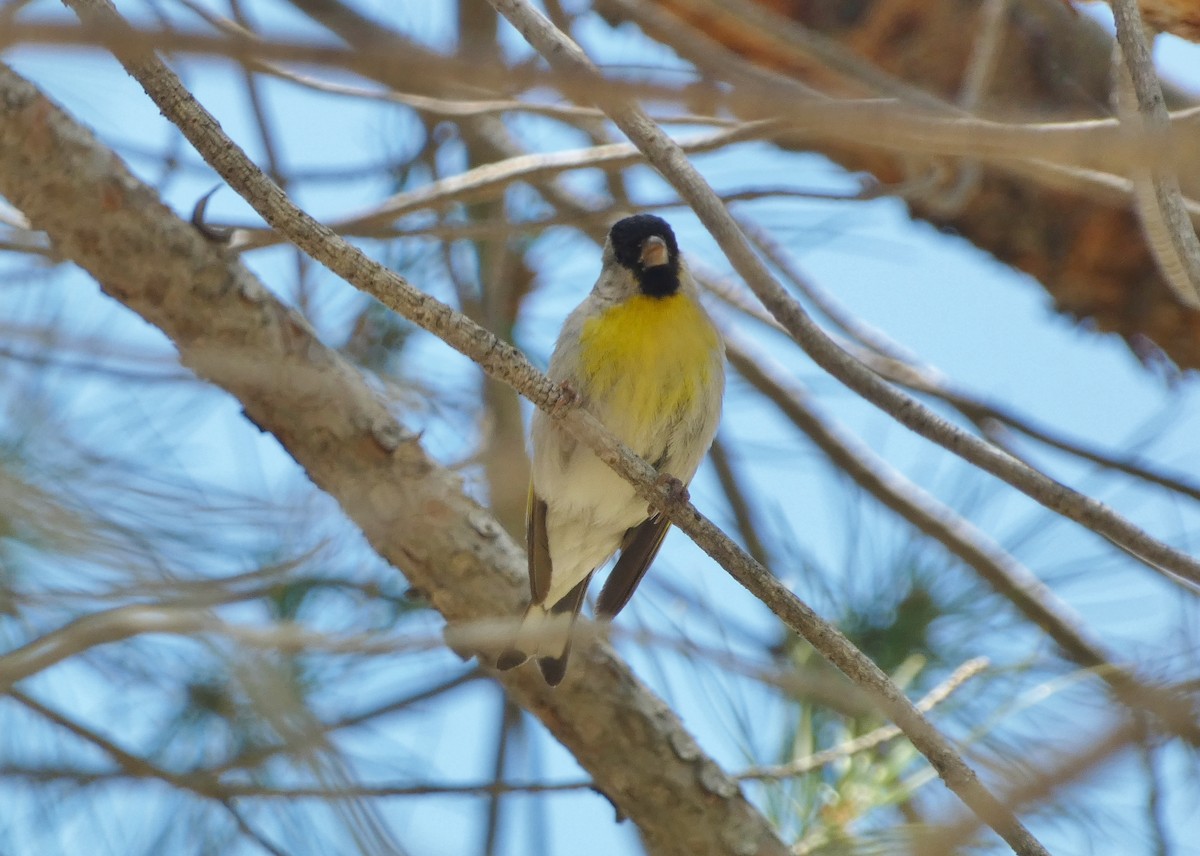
point(1088, 253)
point(232, 331)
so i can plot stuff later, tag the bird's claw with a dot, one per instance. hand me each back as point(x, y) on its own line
point(676, 490)
point(214, 234)
point(565, 398)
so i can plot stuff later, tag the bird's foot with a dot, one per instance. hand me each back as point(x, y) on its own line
point(565, 398)
point(215, 234)
point(676, 490)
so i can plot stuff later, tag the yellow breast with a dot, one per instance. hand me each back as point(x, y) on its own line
point(649, 358)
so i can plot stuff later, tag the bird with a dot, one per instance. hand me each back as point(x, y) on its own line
point(642, 355)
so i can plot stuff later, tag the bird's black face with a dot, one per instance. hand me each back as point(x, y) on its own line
point(645, 246)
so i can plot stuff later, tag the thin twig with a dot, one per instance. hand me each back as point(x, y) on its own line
point(98, 629)
point(489, 180)
point(739, 503)
point(871, 739)
point(891, 360)
point(256, 755)
point(507, 723)
point(468, 109)
point(249, 831)
point(977, 78)
point(199, 783)
point(245, 791)
point(126, 622)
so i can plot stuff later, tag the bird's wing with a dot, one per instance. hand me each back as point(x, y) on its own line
point(537, 544)
point(638, 550)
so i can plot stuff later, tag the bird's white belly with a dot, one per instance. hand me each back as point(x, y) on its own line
point(588, 509)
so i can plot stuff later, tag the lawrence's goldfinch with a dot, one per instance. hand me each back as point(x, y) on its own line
point(641, 354)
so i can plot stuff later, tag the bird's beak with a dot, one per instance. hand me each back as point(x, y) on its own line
point(654, 252)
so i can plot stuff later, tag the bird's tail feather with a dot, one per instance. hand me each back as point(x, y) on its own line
point(546, 634)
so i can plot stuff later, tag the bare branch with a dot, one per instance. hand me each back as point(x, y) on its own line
point(871, 739)
point(489, 180)
point(894, 362)
point(98, 629)
point(1159, 201)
